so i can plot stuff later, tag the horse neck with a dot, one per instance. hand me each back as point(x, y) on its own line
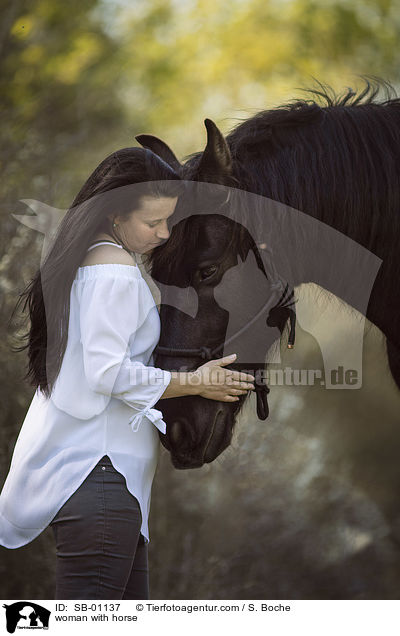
point(371, 230)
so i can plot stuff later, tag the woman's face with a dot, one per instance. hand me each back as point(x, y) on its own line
point(146, 227)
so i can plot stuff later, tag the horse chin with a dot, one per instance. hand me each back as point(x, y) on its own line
point(192, 448)
point(185, 465)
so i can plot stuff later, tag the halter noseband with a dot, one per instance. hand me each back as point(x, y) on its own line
point(207, 353)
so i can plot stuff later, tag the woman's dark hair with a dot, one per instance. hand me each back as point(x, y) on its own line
point(115, 187)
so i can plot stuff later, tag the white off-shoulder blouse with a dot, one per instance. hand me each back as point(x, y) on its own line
point(101, 404)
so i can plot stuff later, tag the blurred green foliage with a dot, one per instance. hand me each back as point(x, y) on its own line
point(82, 78)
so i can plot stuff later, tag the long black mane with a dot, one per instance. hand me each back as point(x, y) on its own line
point(334, 157)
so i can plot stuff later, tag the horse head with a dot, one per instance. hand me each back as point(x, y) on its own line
point(242, 306)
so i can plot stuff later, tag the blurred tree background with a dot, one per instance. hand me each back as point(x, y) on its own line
point(304, 505)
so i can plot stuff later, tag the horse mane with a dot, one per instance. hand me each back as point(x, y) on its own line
point(297, 152)
point(333, 156)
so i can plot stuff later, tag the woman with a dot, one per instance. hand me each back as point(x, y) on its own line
point(86, 455)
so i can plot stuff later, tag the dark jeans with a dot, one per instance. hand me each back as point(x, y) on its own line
point(101, 553)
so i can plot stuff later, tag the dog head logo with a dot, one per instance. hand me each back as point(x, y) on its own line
point(25, 614)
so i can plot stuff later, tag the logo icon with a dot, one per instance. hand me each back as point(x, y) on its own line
point(26, 615)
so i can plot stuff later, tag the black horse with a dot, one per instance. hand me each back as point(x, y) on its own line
point(335, 162)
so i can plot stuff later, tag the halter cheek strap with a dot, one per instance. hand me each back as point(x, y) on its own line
point(206, 353)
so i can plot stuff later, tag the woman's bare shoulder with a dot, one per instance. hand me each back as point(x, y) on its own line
point(103, 254)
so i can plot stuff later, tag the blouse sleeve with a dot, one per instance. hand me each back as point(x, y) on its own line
point(109, 318)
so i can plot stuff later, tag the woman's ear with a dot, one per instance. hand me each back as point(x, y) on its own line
point(113, 218)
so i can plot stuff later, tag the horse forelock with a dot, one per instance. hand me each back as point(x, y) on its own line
point(190, 239)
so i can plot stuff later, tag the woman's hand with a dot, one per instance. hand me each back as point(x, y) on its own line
point(214, 382)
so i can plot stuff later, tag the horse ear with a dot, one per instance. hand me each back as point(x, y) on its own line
point(216, 161)
point(161, 149)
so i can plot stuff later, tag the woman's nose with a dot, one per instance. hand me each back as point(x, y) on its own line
point(163, 232)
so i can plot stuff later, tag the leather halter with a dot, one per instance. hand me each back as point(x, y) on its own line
point(206, 353)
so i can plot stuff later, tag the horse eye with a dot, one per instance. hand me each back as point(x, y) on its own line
point(208, 271)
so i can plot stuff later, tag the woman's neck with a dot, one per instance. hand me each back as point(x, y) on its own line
point(103, 236)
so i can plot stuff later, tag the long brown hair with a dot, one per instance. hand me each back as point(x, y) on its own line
point(116, 185)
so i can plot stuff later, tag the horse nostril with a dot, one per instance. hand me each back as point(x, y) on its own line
point(177, 433)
